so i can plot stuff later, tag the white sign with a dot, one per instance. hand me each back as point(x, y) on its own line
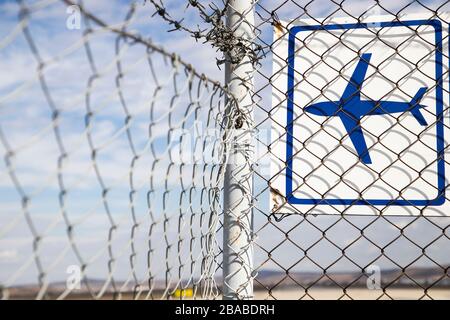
point(360, 117)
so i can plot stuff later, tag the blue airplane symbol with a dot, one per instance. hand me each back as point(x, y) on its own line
point(350, 108)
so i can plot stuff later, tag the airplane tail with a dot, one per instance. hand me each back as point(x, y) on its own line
point(416, 106)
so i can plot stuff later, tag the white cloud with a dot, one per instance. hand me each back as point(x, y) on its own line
point(8, 256)
point(28, 114)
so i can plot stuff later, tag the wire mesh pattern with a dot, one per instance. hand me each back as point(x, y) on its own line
point(336, 257)
point(106, 162)
point(110, 166)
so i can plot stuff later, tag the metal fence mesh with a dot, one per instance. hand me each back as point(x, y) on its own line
point(106, 162)
point(104, 137)
point(312, 255)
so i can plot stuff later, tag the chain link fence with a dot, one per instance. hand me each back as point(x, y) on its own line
point(128, 173)
point(113, 155)
point(318, 253)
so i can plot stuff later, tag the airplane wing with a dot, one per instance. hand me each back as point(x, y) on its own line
point(356, 136)
point(419, 116)
point(354, 85)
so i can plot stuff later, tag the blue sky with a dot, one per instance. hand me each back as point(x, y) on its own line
point(25, 114)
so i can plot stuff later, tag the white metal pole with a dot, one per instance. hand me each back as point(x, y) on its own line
point(237, 240)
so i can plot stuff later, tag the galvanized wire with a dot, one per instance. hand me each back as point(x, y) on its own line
point(330, 253)
point(303, 255)
point(151, 226)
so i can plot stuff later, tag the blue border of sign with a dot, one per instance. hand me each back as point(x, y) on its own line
point(440, 199)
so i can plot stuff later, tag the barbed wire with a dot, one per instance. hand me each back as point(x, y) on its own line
point(308, 254)
point(182, 251)
point(233, 47)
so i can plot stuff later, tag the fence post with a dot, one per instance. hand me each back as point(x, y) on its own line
point(237, 232)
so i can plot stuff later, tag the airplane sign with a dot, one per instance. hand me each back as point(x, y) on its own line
point(350, 108)
point(358, 117)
